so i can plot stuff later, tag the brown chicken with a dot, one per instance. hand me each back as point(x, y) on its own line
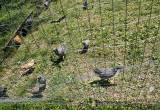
point(17, 40)
point(28, 65)
point(28, 68)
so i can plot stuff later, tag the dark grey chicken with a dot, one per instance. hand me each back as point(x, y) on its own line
point(41, 79)
point(85, 5)
point(28, 25)
point(28, 71)
point(23, 32)
point(41, 83)
point(3, 92)
point(106, 73)
point(29, 20)
point(61, 51)
point(46, 3)
point(85, 46)
point(40, 86)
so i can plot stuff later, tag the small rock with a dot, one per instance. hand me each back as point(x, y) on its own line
point(151, 89)
point(141, 77)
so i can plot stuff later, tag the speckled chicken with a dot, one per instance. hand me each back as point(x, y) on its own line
point(85, 47)
point(61, 51)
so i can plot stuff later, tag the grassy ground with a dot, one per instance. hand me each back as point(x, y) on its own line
point(72, 78)
point(12, 14)
point(46, 105)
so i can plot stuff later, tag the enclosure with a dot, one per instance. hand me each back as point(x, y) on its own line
point(121, 32)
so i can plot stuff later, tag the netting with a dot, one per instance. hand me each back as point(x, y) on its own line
point(121, 32)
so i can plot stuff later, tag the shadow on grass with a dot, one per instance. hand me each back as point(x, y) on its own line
point(102, 83)
point(37, 96)
point(56, 62)
point(62, 104)
point(7, 52)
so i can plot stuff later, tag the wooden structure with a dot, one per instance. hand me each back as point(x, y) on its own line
point(11, 40)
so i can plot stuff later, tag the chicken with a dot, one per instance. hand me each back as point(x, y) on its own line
point(85, 46)
point(41, 79)
point(30, 64)
point(17, 40)
point(28, 71)
point(39, 87)
point(23, 32)
point(28, 68)
point(85, 5)
point(46, 3)
point(28, 25)
point(61, 51)
point(29, 20)
point(3, 92)
point(35, 90)
point(106, 73)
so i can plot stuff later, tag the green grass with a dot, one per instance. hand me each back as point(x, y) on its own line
point(71, 79)
point(45, 105)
